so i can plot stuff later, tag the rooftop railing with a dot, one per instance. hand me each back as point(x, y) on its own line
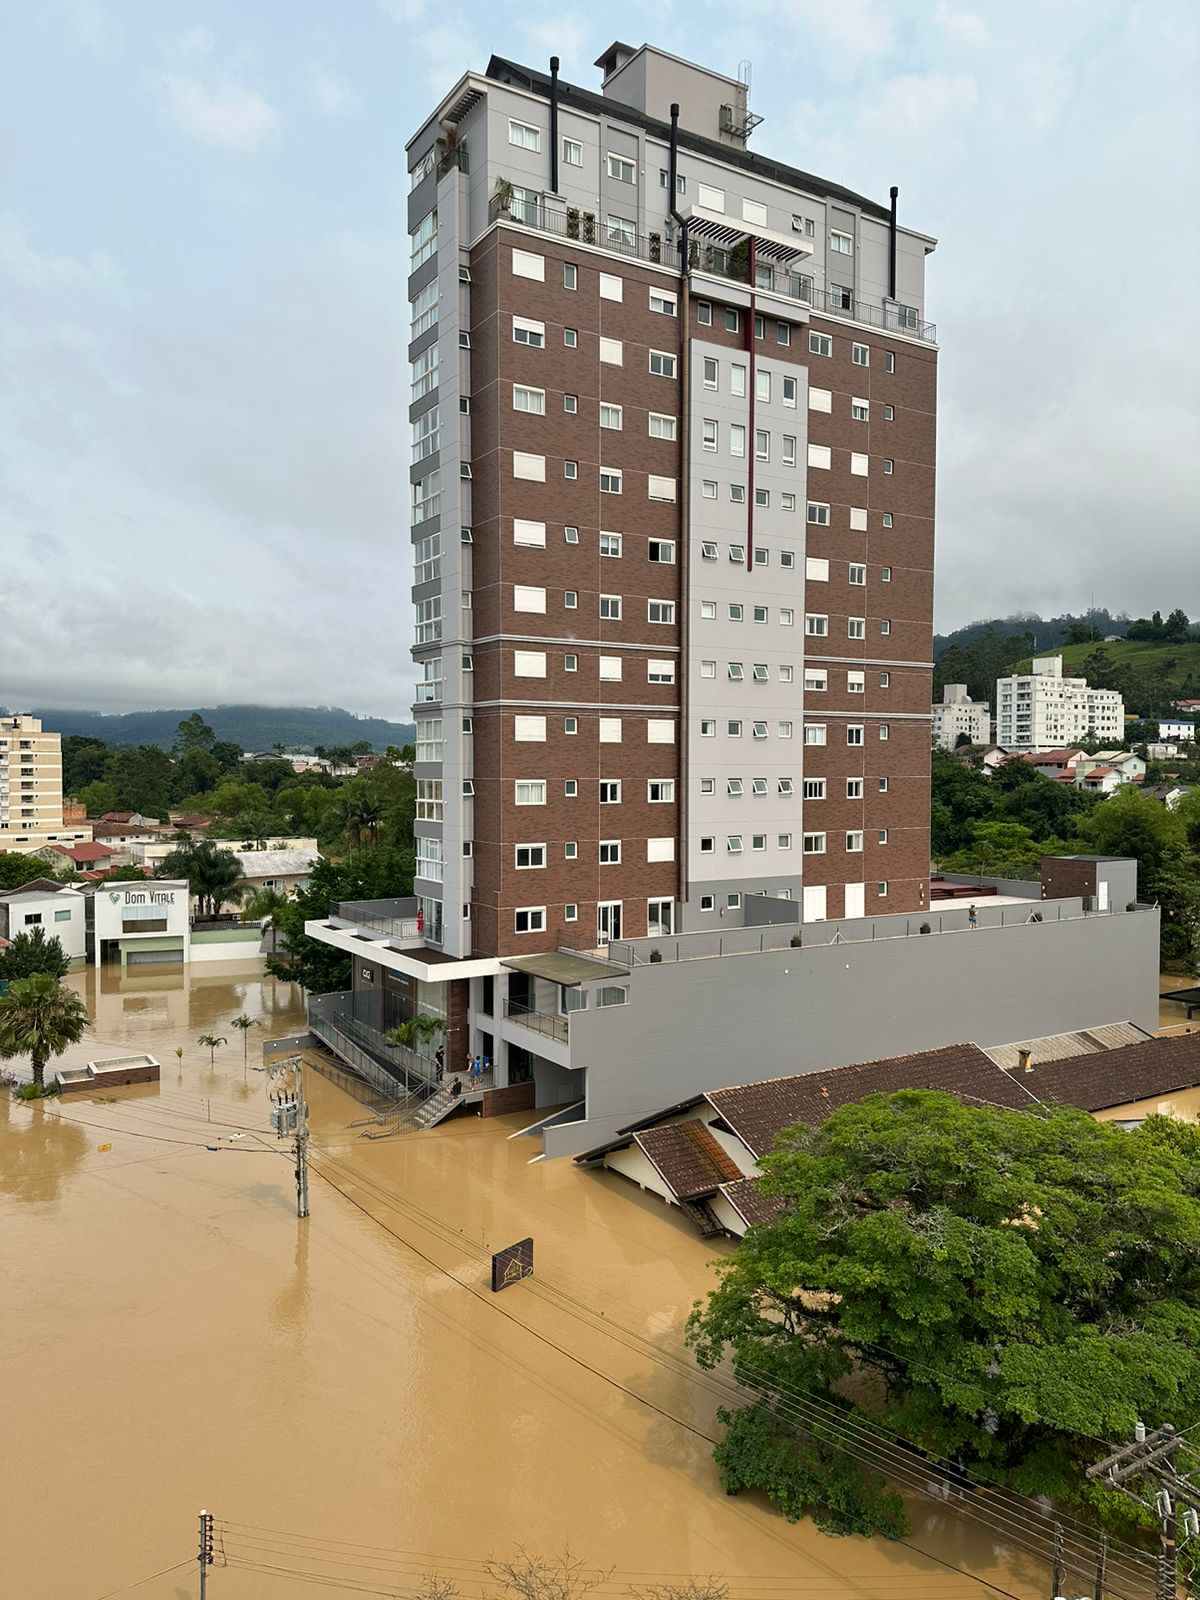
point(542, 1022)
point(658, 250)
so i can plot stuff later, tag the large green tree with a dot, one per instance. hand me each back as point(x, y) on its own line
point(39, 1019)
point(215, 875)
point(1002, 1288)
point(31, 951)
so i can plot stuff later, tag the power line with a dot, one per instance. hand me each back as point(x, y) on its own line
point(150, 1576)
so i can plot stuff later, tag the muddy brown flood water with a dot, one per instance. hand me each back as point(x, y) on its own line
point(173, 1338)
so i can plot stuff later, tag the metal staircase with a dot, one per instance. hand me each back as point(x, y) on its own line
point(703, 1216)
point(437, 1108)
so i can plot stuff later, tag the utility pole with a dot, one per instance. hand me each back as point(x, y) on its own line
point(289, 1114)
point(1153, 1456)
point(205, 1554)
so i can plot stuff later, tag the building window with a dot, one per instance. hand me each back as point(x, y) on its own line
point(610, 544)
point(610, 607)
point(704, 313)
point(530, 792)
point(882, 785)
point(664, 302)
point(854, 733)
point(570, 338)
point(611, 287)
point(570, 788)
point(621, 232)
point(708, 610)
point(571, 535)
point(840, 298)
point(885, 680)
point(737, 494)
point(528, 857)
point(889, 413)
point(887, 519)
point(840, 243)
point(854, 841)
point(570, 912)
point(662, 426)
point(733, 786)
point(612, 417)
point(737, 553)
point(818, 513)
point(610, 481)
point(530, 400)
point(889, 361)
point(814, 733)
point(814, 788)
point(820, 344)
point(424, 240)
point(885, 626)
point(733, 843)
point(708, 728)
point(529, 333)
point(529, 919)
point(736, 611)
point(731, 319)
point(571, 404)
point(662, 364)
point(610, 791)
point(814, 844)
point(733, 728)
point(881, 836)
point(610, 852)
point(572, 154)
point(620, 169)
point(816, 625)
point(712, 370)
point(789, 392)
point(524, 136)
point(570, 725)
point(660, 791)
point(856, 627)
point(854, 788)
point(737, 381)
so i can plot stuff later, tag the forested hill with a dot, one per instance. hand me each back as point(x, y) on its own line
point(1048, 633)
point(299, 728)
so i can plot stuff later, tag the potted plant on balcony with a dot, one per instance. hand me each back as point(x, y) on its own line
point(502, 197)
point(572, 222)
point(589, 227)
point(656, 246)
point(415, 1032)
point(452, 148)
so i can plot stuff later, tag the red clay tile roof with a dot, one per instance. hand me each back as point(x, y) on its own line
point(89, 852)
point(751, 1204)
point(757, 1111)
point(687, 1158)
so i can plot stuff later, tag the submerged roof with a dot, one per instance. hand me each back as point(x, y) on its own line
point(688, 1158)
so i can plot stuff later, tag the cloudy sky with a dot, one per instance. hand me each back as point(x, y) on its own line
point(203, 436)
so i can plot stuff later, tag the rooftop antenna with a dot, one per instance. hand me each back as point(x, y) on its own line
point(740, 121)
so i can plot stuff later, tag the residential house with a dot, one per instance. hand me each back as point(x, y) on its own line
point(57, 908)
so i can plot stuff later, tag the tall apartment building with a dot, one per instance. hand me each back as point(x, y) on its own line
point(31, 797)
point(673, 442)
point(1042, 710)
point(959, 714)
point(673, 428)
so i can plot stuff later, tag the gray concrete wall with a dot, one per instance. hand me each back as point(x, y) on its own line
point(693, 1025)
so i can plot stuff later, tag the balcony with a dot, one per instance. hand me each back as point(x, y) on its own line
point(732, 264)
point(396, 918)
point(550, 1027)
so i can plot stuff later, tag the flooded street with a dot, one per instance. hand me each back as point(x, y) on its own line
point(345, 1394)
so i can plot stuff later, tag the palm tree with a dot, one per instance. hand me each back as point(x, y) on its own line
point(214, 875)
point(39, 1019)
point(369, 814)
point(263, 905)
point(243, 1024)
point(211, 1042)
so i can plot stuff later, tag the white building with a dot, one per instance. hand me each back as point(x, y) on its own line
point(31, 797)
point(1041, 709)
point(140, 924)
point(54, 907)
point(1177, 729)
point(959, 714)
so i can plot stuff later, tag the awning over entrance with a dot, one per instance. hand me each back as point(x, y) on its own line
point(565, 967)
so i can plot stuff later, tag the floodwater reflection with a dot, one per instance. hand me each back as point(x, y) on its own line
point(351, 1377)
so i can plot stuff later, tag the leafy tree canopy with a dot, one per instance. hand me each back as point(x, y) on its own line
point(39, 1019)
point(367, 874)
point(1004, 1287)
point(31, 951)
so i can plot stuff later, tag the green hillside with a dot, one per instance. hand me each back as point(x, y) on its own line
point(250, 726)
point(1148, 674)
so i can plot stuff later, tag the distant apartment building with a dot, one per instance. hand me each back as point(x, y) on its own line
point(958, 714)
point(31, 793)
point(1042, 710)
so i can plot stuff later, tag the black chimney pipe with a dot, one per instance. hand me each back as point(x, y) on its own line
point(554, 124)
point(673, 180)
point(892, 246)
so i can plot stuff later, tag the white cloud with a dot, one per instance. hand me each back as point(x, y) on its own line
point(963, 28)
point(207, 105)
point(331, 93)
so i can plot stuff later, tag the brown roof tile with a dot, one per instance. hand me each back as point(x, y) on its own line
point(757, 1111)
point(688, 1158)
point(1117, 1077)
point(747, 1198)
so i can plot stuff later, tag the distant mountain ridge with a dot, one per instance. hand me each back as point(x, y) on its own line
point(299, 728)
